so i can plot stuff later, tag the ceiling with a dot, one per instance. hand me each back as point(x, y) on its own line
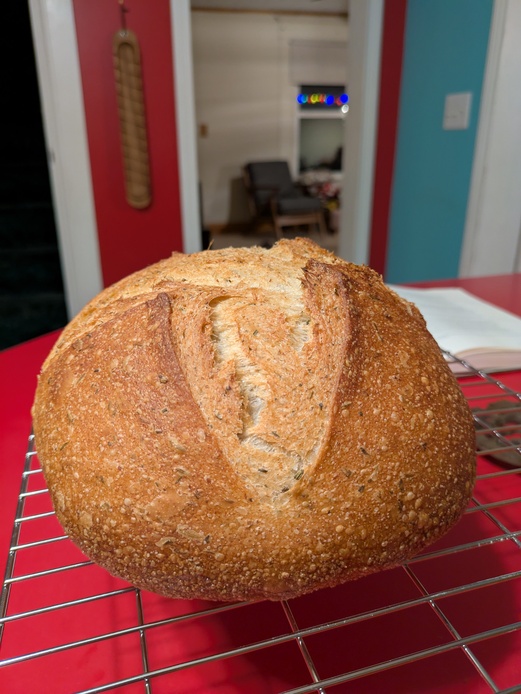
point(308, 6)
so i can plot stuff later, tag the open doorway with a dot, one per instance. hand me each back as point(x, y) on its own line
point(322, 111)
point(248, 70)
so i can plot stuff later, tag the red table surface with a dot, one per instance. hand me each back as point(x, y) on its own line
point(19, 367)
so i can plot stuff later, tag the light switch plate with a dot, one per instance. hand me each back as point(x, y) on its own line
point(457, 111)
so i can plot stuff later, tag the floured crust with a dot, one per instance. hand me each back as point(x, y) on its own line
point(248, 424)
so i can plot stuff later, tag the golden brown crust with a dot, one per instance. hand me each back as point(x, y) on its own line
point(248, 424)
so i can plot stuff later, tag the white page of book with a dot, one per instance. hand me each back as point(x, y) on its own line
point(459, 321)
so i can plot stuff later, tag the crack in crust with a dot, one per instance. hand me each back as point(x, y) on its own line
point(253, 384)
point(261, 354)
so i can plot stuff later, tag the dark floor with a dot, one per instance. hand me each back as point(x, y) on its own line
point(31, 288)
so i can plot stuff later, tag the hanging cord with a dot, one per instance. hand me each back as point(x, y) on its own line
point(123, 12)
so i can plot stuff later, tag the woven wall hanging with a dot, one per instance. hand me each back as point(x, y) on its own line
point(132, 119)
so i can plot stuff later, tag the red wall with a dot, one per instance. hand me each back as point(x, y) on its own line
point(130, 239)
point(393, 32)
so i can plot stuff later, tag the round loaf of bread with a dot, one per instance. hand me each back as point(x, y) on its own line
point(250, 424)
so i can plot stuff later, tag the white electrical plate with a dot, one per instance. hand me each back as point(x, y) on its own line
point(457, 111)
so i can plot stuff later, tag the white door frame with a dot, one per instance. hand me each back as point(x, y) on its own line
point(58, 69)
point(492, 237)
point(61, 96)
point(186, 124)
point(363, 55)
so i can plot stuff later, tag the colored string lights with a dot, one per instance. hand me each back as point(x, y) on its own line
point(322, 99)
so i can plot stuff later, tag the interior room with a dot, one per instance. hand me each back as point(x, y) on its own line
point(250, 66)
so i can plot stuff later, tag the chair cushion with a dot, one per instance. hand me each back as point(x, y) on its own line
point(298, 205)
point(273, 178)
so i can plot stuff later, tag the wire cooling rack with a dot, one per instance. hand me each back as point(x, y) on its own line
point(447, 621)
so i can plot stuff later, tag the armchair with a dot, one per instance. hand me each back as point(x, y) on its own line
point(273, 197)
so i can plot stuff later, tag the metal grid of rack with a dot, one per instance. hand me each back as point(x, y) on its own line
point(447, 621)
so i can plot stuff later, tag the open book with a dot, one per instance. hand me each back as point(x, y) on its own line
point(486, 337)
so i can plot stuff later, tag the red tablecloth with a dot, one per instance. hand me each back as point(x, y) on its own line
point(19, 368)
point(421, 609)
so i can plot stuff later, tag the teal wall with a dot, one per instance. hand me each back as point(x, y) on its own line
point(445, 52)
